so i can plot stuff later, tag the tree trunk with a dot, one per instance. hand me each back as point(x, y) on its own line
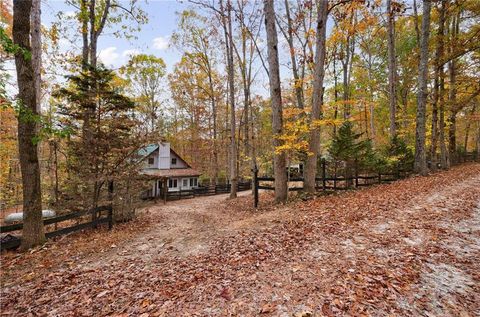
point(36, 33)
point(335, 92)
point(467, 128)
point(392, 70)
point(444, 161)
point(227, 28)
point(420, 165)
point(437, 97)
point(317, 99)
point(279, 162)
point(214, 116)
point(93, 41)
point(33, 232)
point(372, 97)
point(444, 157)
point(84, 22)
point(452, 97)
point(231, 77)
point(298, 83)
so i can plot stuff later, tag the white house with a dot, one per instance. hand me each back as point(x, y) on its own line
point(165, 166)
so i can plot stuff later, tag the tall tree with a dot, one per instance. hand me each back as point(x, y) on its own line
point(452, 95)
point(113, 140)
point(33, 232)
point(392, 69)
point(420, 165)
point(437, 69)
point(36, 31)
point(145, 75)
point(289, 36)
point(444, 160)
point(227, 29)
point(248, 18)
point(197, 38)
point(281, 190)
point(317, 98)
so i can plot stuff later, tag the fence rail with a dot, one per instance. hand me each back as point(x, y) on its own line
point(99, 215)
point(324, 182)
point(207, 191)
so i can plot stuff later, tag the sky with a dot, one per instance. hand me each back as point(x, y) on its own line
point(153, 37)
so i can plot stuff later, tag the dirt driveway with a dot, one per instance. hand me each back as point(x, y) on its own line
point(186, 227)
point(410, 248)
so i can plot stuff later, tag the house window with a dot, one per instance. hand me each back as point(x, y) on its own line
point(185, 182)
point(172, 183)
point(193, 182)
point(174, 160)
point(151, 160)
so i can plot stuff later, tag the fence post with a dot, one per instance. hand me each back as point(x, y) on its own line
point(356, 173)
point(110, 209)
point(379, 178)
point(94, 217)
point(324, 174)
point(165, 190)
point(255, 184)
point(110, 217)
point(335, 177)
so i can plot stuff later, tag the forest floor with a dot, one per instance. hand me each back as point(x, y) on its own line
point(410, 248)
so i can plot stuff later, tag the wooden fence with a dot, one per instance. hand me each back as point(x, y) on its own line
point(357, 179)
point(98, 215)
point(207, 191)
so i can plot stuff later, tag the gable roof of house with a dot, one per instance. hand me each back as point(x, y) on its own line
point(165, 173)
point(150, 148)
point(147, 150)
point(181, 158)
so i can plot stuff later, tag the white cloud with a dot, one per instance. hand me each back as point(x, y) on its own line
point(109, 56)
point(70, 14)
point(132, 52)
point(161, 43)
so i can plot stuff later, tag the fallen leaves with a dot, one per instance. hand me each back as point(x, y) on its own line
point(385, 250)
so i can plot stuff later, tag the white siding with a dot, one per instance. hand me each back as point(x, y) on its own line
point(145, 163)
point(176, 161)
point(164, 155)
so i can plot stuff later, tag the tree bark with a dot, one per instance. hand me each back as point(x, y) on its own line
point(84, 22)
point(420, 165)
point(36, 33)
point(279, 161)
point(33, 232)
point(437, 97)
point(317, 98)
point(452, 96)
point(444, 158)
point(227, 28)
point(467, 129)
point(213, 102)
point(392, 70)
point(298, 83)
point(93, 42)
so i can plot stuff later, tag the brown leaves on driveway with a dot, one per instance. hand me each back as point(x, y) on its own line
point(410, 248)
